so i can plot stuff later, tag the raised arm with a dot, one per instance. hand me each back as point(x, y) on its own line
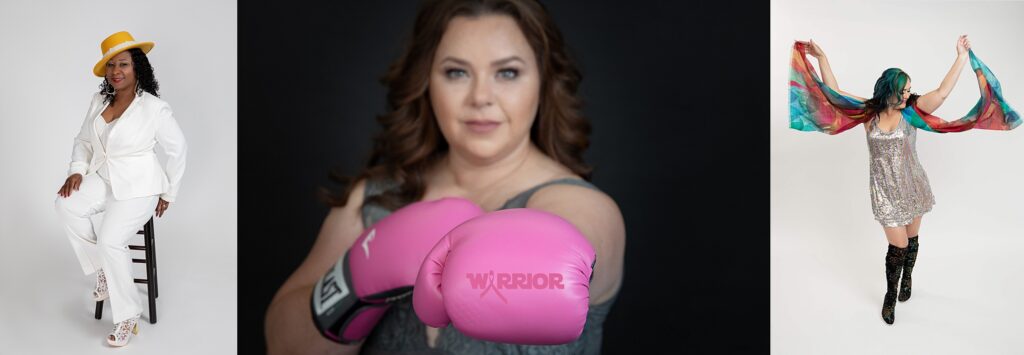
point(289, 327)
point(563, 233)
point(598, 217)
point(933, 99)
point(826, 70)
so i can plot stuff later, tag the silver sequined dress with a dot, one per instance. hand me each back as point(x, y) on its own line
point(899, 186)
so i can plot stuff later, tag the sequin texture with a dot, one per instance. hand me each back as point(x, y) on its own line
point(899, 185)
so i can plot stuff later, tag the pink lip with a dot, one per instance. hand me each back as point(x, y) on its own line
point(481, 126)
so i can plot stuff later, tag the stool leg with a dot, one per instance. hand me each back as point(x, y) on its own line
point(99, 309)
point(151, 234)
point(150, 271)
point(152, 304)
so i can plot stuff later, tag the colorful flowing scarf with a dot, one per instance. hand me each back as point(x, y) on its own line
point(813, 106)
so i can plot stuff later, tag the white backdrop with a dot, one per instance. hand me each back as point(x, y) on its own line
point(827, 277)
point(47, 50)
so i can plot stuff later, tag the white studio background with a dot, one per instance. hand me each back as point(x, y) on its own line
point(48, 51)
point(827, 269)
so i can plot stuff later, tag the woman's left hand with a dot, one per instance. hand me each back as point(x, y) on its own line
point(962, 45)
point(161, 206)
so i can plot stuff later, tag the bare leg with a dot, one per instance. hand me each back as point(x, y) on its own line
point(897, 235)
point(914, 227)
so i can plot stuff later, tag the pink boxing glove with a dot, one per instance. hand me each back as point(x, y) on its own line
point(519, 276)
point(380, 267)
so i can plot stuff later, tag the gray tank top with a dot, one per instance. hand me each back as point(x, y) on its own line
point(401, 332)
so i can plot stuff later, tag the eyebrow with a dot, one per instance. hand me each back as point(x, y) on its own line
point(495, 63)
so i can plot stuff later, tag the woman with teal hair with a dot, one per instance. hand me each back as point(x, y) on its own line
point(900, 193)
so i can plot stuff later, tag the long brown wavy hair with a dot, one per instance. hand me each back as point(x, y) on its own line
point(411, 141)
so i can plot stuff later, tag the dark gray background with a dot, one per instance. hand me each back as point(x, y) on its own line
point(673, 90)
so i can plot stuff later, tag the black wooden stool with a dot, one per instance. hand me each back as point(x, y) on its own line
point(149, 246)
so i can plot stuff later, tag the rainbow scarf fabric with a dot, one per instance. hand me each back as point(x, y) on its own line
point(813, 106)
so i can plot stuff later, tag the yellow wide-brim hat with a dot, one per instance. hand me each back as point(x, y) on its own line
point(117, 43)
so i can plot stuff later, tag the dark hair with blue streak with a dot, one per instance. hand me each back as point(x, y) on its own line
point(887, 88)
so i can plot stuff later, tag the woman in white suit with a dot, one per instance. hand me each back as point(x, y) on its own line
point(114, 169)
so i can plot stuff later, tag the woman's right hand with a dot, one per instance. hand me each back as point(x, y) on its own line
point(813, 49)
point(71, 184)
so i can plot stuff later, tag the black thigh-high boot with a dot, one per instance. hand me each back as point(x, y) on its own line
point(894, 260)
point(908, 267)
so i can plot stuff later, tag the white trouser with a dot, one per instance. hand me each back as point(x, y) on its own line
point(106, 248)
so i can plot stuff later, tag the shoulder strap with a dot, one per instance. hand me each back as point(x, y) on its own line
point(520, 200)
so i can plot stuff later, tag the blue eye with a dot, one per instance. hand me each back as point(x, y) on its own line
point(508, 73)
point(454, 73)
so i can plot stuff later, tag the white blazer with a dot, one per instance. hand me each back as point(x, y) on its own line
point(131, 161)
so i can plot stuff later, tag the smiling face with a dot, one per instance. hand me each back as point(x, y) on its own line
point(904, 94)
point(121, 71)
point(484, 86)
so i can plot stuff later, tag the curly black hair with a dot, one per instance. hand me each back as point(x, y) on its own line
point(143, 76)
